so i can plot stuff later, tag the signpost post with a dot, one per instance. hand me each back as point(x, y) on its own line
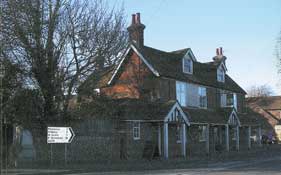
point(60, 135)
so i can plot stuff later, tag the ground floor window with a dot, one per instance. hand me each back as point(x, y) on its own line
point(136, 130)
point(202, 133)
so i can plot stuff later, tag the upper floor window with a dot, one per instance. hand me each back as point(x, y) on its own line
point(187, 65)
point(220, 74)
point(181, 91)
point(228, 99)
point(202, 97)
point(191, 95)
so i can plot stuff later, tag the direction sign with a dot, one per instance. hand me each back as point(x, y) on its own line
point(60, 135)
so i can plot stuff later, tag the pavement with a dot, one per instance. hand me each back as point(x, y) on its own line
point(271, 165)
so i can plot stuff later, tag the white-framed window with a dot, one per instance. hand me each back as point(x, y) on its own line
point(220, 74)
point(202, 97)
point(235, 100)
point(136, 130)
point(202, 133)
point(181, 88)
point(178, 134)
point(187, 65)
point(228, 99)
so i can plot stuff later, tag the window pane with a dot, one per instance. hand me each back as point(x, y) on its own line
point(181, 92)
point(187, 65)
point(202, 97)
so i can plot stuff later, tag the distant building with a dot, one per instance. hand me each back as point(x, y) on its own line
point(270, 109)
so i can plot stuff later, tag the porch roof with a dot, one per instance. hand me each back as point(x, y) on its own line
point(219, 116)
point(143, 110)
point(252, 117)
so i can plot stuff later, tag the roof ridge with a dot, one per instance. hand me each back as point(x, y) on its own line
point(180, 50)
point(155, 49)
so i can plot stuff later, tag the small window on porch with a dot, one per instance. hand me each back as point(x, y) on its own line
point(136, 130)
point(178, 134)
point(202, 133)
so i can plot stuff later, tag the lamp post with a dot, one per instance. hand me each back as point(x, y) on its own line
point(2, 73)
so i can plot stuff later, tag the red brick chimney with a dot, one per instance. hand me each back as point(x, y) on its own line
point(136, 30)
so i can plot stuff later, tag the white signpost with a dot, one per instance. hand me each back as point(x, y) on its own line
point(60, 135)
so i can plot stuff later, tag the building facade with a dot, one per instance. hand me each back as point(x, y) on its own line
point(196, 106)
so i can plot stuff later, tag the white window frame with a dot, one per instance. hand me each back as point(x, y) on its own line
point(221, 74)
point(223, 99)
point(136, 130)
point(178, 134)
point(235, 104)
point(202, 93)
point(190, 66)
point(181, 93)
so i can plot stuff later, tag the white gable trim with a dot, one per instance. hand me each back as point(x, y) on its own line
point(233, 113)
point(223, 65)
point(171, 116)
point(187, 55)
point(141, 57)
point(154, 71)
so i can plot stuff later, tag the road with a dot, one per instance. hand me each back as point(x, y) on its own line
point(270, 166)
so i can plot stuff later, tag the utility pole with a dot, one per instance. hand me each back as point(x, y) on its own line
point(1, 102)
point(1, 112)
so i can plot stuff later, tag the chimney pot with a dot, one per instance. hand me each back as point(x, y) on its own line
point(133, 19)
point(138, 18)
point(217, 51)
point(221, 51)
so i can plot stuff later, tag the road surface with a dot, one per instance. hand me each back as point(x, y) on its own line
point(269, 166)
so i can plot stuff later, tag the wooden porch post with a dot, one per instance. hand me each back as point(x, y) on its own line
point(227, 137)
point(159, 140)
point(183, 140)
point(166, 140)
point(237, 138)
point(207, 139)
point(249, 137)
point(259, 136)
point(220, 134)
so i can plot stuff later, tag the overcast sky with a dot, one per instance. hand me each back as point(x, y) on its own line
point(246, 29)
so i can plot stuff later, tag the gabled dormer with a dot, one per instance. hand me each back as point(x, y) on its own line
point(219, 60)
point(221, 73)
point(187, 62)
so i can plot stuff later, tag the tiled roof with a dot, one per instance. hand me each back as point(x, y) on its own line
point(169, 64)
point(270, 102)
point(135, 109)
point(98, 79)
point(219, 116)
point(126, 109)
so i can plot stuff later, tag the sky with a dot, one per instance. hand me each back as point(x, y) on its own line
point(246, 29)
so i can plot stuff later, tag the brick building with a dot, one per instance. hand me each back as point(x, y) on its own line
point(173, 105)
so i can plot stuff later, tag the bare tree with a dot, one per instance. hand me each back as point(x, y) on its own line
point(278, 53)
point(59, 43)
point(259, 91)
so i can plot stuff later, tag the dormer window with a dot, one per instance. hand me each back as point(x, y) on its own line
point(221, 74)
point(187, 65)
